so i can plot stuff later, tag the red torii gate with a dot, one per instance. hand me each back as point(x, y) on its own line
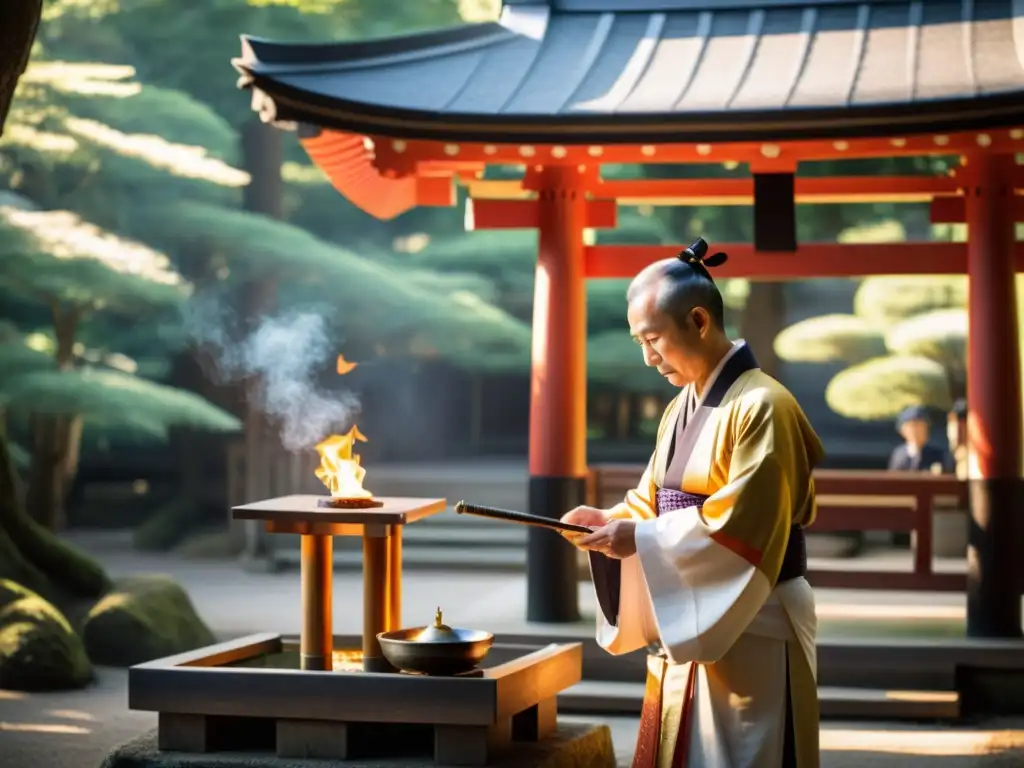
point(566, 86)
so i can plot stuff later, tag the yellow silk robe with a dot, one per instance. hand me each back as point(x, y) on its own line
point(703, 585)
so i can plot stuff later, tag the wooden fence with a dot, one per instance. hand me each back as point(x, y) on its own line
point(851, 501)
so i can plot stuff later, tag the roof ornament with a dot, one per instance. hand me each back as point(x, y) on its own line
point(695, 256)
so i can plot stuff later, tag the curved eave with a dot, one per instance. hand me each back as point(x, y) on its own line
point(347, 161)
point(776, 73)
point(286, 105)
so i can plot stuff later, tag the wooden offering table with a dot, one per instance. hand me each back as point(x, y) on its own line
point(381, 529)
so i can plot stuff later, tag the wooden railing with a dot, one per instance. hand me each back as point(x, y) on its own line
point(851, 501)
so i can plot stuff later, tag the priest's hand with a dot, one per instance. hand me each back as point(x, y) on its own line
point(616, 539)
point(589, 517)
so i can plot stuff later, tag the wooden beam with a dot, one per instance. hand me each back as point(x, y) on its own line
point(953, 210)
point(838, 189)
point(811, 260)
point(775, 212)
point(887, 580)
point(403, 154)
point(524, 214)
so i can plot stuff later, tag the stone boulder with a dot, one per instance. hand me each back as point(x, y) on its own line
point(39, 651)
point(143, 618)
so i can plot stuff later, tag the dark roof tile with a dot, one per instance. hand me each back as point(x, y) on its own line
point(578, 70)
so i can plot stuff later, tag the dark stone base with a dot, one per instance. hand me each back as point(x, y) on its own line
point(991, 692)
point(994, 581)
point(552, 577)
point(572, 746)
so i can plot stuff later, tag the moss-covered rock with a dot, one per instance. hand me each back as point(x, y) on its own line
point(141, 619)
point(38, 649)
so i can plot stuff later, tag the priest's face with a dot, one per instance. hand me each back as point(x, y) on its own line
point(675, 347)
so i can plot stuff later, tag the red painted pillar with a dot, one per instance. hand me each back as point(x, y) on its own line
point(994, 402)
point(558, 391)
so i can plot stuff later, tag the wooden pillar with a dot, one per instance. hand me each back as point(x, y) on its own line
point(376, 601)
point(994, 402)
point(316, 643)
point(558, 393)
point(263, 155)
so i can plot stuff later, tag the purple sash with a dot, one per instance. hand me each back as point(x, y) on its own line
point(670, 500)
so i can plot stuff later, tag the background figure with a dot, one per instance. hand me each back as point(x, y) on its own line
point(916, 455)
point(956, 434)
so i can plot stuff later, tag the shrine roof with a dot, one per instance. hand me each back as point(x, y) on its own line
point(625, 71)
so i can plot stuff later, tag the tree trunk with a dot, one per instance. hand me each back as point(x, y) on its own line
point(46, 479)
point(763, 318)
point(263, 153)
point(31, 555)
point(55, 439)
point(17, 32)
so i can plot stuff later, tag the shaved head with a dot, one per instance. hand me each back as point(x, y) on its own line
point(677, 289)
point(677, 316)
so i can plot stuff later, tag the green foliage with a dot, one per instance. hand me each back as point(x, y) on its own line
point(21, 458)
point(606, 307)
point(882, 387)
point(615, 360)
point(18, 358)
point(447, 283)
point(188, 48)
point(112, 397)
point(829, 338)
point(920, 322)
point(508, 258)
point(939, 335)
point(377, 302)
point(89, 138)
point(60, 258)
point(886, 300)
point(637, 226)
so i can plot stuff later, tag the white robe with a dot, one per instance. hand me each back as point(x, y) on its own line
point(701, 585)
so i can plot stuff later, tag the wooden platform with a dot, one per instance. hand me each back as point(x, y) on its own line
point(217, 696)
point(289, 513)
point(571, 746)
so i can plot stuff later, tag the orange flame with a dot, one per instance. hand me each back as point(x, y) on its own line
point(339, 467)
point(344, 366)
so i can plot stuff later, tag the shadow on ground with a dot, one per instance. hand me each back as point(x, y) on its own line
point(76, 729)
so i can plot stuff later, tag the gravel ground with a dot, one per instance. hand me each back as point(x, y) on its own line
point(76, 729)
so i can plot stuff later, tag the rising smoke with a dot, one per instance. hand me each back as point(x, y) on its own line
point(286, 352)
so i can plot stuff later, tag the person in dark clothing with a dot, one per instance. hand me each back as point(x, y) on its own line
point(916, 455)
point(956, 434)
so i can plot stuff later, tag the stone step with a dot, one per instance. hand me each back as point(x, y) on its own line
point(598, 697)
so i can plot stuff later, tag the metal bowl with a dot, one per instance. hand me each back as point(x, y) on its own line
point(435, 650)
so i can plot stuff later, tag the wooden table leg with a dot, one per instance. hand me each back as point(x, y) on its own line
point(393, 616)
point(317, 641)
point(375, 601)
